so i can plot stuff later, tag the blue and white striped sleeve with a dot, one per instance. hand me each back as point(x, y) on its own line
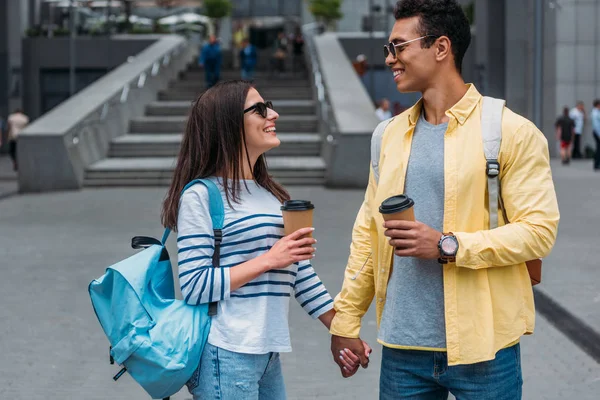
point(310, 291)
point(200, 281)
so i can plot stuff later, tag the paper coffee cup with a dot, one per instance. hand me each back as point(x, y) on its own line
point(297, 214)
point(398, 207)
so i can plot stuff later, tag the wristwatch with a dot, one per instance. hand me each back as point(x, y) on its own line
point(448, 247)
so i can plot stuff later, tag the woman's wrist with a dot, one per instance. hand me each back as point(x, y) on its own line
point(327, 317)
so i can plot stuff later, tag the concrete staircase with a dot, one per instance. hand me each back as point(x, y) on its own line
point(146, 155)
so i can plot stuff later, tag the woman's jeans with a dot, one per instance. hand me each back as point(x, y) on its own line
point(425, 375)
point(225, 375)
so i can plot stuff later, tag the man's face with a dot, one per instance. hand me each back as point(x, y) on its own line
point(581, 107)
point(385, 105)
point(413, 65)
point(212, 39)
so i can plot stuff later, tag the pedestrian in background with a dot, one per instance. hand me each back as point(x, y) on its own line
point(383, 111)
point(248, 60)
point(211, 59)
point(596, 128)
point(17, 121)
point(565, 133)
point(577, 114)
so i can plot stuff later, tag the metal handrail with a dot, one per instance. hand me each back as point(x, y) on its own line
point(136, 83)
point(326, 120)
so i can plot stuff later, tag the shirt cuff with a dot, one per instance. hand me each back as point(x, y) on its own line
point(345, 325)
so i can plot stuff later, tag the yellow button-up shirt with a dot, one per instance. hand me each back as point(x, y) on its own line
point(487, 293)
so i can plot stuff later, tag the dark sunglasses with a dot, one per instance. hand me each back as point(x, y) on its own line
point(390, 48)
point(261, 108)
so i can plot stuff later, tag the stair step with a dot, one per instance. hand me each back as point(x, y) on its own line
point(158, 171)
point(166, 124)
point(196, 73)
point(269, 94)
point(199, 85)
point(167, 145)
point(181, 108)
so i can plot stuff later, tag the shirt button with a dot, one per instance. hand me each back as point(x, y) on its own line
point(382, 270)
point(380, 300)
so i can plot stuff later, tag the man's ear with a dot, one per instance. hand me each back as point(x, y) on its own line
point(443, 48)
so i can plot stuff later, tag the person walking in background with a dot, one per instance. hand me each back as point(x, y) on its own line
point(17, 121)
point(210, 59)
point(565, 133)
point(577, 114)
point(596, 128)
point(383, 111)
point(298, 51)
point(248, 60)
point(281, 53)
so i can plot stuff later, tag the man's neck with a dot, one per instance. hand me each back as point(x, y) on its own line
point(442, 96)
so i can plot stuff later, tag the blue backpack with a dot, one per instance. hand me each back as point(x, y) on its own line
point(156, 338)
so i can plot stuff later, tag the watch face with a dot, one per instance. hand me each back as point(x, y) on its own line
point(449, 246)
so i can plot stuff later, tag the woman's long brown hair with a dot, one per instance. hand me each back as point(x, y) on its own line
point(214, 145)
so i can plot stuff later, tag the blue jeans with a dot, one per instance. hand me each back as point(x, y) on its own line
point(212, 74)
point(425, 375)
point(225, 375)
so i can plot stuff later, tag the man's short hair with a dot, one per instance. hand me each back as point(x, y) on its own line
point(596, 102)
point(439, 18)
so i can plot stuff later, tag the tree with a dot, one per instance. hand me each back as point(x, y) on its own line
point(326, 11)
point(217, 9)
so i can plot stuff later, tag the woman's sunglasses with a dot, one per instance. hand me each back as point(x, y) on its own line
point(390, 48)
point(261, 108)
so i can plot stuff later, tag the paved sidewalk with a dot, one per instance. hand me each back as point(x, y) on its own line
point(54, 244)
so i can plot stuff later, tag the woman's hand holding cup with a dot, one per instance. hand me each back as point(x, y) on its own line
point(291, 249)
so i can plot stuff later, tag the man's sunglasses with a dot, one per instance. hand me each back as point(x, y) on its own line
point(261, 108)
point(390, 48)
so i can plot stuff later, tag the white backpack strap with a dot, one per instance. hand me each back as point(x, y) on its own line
point(491, 131)
point(376, 146)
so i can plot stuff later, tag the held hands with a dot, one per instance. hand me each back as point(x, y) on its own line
point(413, 239)
point(349, 354)
point(290, 249)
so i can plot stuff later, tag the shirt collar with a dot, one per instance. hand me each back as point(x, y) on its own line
point(461, 110)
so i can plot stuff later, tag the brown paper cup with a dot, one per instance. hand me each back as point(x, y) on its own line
point(406, 215)
point(294, 220)
point(297, 214)
point(398, 208)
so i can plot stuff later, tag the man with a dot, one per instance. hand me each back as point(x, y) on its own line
point(596, 127)
point(248, 60)
point(383, 111)
point(577, 114)
point(210, 59)
point(17, 121)
point(565, 132)
point(452, 326)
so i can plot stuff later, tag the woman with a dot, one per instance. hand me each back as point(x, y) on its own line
point(229, 130)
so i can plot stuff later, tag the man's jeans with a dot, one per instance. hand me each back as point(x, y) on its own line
point(425, 375)
point(225, 375)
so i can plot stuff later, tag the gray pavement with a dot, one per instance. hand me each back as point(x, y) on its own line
point(54, 244)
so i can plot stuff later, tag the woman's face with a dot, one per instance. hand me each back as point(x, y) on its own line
point(260, 132)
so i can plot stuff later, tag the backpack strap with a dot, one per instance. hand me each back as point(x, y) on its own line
point(491, 132)
point(217, 215)
point(376, 146)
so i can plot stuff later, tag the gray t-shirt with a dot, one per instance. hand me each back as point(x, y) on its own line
point(413, 315)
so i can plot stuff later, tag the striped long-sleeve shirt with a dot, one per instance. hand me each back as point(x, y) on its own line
point(254, 318)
